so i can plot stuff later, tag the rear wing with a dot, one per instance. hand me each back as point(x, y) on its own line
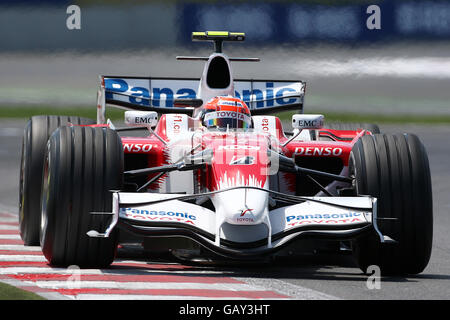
point(161, 94)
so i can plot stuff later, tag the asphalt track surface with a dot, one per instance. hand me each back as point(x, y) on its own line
point(131, 277)
point(392, 78)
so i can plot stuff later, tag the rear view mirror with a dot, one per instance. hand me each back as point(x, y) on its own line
point(307, 121)
point(141, 118)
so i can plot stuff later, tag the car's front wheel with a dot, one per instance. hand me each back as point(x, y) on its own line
point(37, 131)
point(82, 166)
point(395, 170)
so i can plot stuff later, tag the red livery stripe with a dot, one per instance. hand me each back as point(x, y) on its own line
point(3, 231)
point(23, 263)
point(11, 241)
point(128, 278)
point(9, 223)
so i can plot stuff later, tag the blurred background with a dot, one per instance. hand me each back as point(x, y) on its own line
point(403, 68)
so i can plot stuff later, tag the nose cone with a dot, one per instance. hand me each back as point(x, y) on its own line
point(242, 206)
point(239, 171)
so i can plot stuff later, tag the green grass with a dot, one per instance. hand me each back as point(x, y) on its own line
point(8, 292)
point(117, 114)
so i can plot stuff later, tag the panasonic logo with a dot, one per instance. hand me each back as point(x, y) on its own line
point(324, 216)
point(184, 215)
point(155, 96)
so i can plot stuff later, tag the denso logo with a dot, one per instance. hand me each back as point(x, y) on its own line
point(137, 147)
point(268, 97)
point(318, 151)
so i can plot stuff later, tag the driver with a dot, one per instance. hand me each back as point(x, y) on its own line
point(225, 112)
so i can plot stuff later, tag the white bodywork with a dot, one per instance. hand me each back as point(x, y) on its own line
point(318, 211)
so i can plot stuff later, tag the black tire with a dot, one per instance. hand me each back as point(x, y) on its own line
point(395, 170)
point(82, 165)
point(34, 142)
point(353, 126)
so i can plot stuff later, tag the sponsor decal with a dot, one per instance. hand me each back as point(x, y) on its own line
point(265, 125)
point(140, 120)
point(268, 94)
point(247, 160)
point(226, 115)
point(267, 97)
point(137, 147)
point(318, 151)
point(243, 212)
point(230, 103)
point(242, 217)
point(153, 215)
point(244, 220)
point(177, 124)
point(335, 218)
point(140, 94)
point(310, 123)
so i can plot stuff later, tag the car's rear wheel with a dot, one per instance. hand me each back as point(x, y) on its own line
point(395, 170)
point(37, 131)
point(82, 165)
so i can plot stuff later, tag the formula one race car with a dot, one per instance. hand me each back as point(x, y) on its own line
point(217, 172)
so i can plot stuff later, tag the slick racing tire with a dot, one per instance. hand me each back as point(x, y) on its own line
point(353, 126)
point(37, 131)
point(82, 165)
point(395, 170)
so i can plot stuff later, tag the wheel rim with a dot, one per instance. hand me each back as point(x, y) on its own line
point(352, 172)
point(44, 199)
point(22, 182)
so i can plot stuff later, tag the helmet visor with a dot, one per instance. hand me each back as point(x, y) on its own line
point(227, 119)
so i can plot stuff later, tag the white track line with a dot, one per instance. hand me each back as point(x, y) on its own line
point(3, 219)
point(144, 285)
point(20, 257)
point(48, 270)
point(18, 247)
point(8, 227)
point(10, 236)
point(155, 297)
point(288, 289)
point(127, 271)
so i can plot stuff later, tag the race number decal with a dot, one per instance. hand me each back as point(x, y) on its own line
point(247, 160)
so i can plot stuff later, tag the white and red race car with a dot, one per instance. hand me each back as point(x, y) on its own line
point(237, 185)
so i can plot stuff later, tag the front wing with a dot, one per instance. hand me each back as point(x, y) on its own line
point(160, 215)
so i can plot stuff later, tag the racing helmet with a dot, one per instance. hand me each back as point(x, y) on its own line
point(226, 112)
